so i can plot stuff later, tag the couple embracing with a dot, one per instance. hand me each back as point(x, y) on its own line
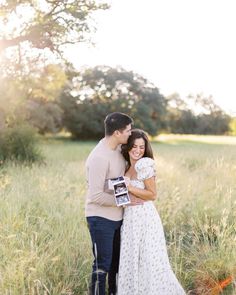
point(128, 242)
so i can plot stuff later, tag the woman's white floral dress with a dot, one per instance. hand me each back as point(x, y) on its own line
point(144, 264)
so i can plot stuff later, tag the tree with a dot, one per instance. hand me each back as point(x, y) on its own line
point(215, 123)
point(12, 94)
point(41, 108)
point(46, 117)
point(197, 114)
point(45, 84)
point(180, 118)
point(211, 119)
point(203, 104)
point(33, 98)
point(95, 92)
point(47, 24)
point(34, 34)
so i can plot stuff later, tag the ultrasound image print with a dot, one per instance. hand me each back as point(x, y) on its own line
point(120, 188)
point(122, 199)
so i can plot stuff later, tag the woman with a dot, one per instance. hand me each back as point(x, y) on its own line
point(144, 264)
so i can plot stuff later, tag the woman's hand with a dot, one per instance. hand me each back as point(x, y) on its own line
point(127, 181)
point(135, 201)
point(146, 194)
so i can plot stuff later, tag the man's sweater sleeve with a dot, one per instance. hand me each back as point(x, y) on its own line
point(96, 175)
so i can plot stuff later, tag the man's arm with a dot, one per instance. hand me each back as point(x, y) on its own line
point(96, 174)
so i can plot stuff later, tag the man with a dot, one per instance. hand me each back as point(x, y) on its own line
point(103, 216)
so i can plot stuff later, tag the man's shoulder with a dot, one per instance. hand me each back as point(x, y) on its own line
point(97, 154)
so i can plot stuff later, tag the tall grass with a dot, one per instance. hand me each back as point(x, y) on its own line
point(44, 241)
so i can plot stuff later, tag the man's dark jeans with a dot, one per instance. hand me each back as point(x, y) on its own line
point(105, 236)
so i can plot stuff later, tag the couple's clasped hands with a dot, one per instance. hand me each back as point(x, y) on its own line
point(134, 200)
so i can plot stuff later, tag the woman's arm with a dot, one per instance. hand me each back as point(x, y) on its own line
point(149, 193)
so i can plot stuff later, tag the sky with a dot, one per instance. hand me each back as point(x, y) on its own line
point(184, 46)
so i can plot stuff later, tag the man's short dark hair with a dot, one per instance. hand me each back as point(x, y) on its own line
point(116, 121)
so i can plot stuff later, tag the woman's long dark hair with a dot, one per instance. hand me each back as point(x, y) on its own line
point(135, 134)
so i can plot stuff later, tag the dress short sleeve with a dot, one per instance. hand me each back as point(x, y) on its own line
point(145, 168)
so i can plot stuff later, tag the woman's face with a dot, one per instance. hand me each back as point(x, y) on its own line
point(137, 150)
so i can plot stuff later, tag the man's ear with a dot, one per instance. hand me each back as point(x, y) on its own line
point(117, 132)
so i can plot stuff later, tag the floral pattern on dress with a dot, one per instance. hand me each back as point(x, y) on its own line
point(144, 264)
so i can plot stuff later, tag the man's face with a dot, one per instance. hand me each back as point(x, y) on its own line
point(124, 135)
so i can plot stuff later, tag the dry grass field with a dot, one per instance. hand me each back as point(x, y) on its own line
point(44, 241)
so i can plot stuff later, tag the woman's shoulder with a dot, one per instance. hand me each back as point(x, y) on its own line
point(145, 168)
point(144, 163)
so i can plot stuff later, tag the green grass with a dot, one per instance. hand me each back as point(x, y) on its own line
point(44, 241)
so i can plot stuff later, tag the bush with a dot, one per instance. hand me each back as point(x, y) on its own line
point(232, 126)
point(19, 144)
point(46, 117)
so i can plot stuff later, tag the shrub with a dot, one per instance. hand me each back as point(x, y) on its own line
point(232, 126)
point(19, 144)
point(46, 117)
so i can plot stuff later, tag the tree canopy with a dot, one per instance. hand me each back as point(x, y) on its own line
point(47, 23)
point(33, 36)
point(95, 92)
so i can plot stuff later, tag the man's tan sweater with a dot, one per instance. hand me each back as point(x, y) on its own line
point(102, 164)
